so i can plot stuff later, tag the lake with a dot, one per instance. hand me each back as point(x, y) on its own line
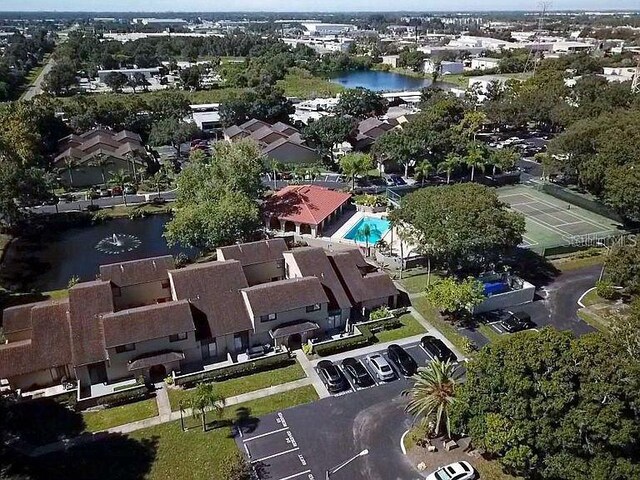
point(380, 81)
point(47, 263)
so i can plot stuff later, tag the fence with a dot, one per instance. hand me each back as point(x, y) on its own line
point(581, 201)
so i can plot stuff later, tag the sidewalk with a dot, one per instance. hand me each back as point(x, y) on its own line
point(312, 375)
point(165, 416)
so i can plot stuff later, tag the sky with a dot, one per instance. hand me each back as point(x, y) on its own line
point(307, 5)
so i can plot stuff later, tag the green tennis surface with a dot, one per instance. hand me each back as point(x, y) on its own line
point(551, 222)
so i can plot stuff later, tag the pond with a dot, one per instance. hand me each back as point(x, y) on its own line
point(380, 81)
point(47, 263)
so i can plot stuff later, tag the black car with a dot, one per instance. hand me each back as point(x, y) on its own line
point(516, 322)
point(357, 371)
point(437, 349)
point(405, 362)
point(331, 376)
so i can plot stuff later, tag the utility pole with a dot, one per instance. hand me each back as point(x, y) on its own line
point(635, 83)
point(534, 54)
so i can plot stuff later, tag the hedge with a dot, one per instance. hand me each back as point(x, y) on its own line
point(344, 344)
point(132, 394)
point(237, 370)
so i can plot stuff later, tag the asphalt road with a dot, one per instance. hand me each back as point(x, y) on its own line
point(36, 88)
point(303, 442)
point(78, 205)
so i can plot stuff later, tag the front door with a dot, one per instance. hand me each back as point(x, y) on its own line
point(237, 342)
point(97, 373)
point(295, 341)
point(157, 373)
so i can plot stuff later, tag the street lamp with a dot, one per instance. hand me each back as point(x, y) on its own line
point(602, 244)
point(333, 470)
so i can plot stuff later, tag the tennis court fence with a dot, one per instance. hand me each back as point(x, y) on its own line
point(580, 200)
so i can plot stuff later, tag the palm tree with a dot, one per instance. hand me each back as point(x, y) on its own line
point(276, 167)
point(504, 159)
point(120, 179)
point(101, 161)
point(354, 164)
point(423, 170)
point(203, 399)
point(433, 393)
point(365, 232)
point(131, 158)
point(475, 159)
point(70, 164)
point(449, 164)
point(160, 180)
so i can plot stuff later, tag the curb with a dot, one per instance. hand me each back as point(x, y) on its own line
point(402, 447)
point(584, 295)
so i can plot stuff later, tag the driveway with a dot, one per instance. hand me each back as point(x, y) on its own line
point(303, 442)
point(555, 305)
point(77, 205)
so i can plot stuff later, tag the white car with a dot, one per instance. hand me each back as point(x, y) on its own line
point(381, 367)
point(453, 471)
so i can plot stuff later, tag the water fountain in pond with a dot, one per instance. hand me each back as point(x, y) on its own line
point(116, 244)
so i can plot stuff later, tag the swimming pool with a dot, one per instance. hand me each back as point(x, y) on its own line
point(378, 228)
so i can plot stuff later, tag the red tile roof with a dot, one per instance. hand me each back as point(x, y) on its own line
point(308, 204)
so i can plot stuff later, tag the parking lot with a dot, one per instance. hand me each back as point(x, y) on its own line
point(421, 357)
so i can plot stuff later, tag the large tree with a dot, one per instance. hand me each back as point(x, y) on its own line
point(265, 102)
point(400, 147)
point(461, 226)
point(217, 198)
point(116, 81)
point(172, 131)
point(361, 103)
point(622, 266)
point(328, 131)
point(550, 406)
point(354, 165)
point(61, 78)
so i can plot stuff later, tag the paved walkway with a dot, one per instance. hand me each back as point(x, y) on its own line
point(312, 375)
point(162, 400)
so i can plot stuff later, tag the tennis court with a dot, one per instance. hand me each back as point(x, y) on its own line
point(553, 222)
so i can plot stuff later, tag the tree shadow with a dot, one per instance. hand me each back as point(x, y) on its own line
point(113, 457)
point(244, 422)
point(533, 268)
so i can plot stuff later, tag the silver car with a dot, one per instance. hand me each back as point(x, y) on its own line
point(381, 367)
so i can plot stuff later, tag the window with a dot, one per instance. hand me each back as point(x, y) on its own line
point(129, 347)
point(268, 318)
point(116, 291)
point(165, 284)
point(313, 308)
point(177, 337)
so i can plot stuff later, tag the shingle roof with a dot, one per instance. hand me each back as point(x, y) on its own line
point(308, 204)
point(233, 131)
point(254, 252)
point(138, 271)
point(284, 295)
point(360, 280)
point(48, 347)
point(213, 289)
point(15, 319)
point(262, 133)
point(87, 301)
point(284, 141)
point(253, 125)
point(313, 261)
point(147, 323)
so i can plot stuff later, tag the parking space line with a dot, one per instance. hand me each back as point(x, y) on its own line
point(275, 455)
point(296, 475)
point(265, 434)
point(352, 387)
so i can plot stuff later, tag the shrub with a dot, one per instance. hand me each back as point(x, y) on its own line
point(468, 346)
point(343, 345)
point(605, 289)
point(123, 397)
point(381, 312)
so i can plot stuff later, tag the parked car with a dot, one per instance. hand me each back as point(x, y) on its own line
point(331, 376)
point(381, 367)
point(104, 193)
point(454, 471)
point(130, 190)
point(516, 322)
point(405, 362)
point(437, 349)
point(116, 191)
point(357, 371)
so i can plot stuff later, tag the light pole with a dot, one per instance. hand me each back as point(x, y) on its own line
point(333, 470)
point(602, 244)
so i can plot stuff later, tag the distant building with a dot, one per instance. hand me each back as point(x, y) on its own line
point(571, 47)
point(162, 22)
point(369, 130)
point(445, 67)
point(319, 29)
point(129, 72)
point(484, 63)
point(279, 141)
point(123, 151)
point(390, 60)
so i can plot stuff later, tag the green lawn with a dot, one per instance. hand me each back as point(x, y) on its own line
point(133, 210)
point(245, 384)
point(307, 86)
point(165, 452)
point(112, 417)
point(575, 261)
point(489, 333)
point(431, 314)
point(416, 281)
point(410, 327)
